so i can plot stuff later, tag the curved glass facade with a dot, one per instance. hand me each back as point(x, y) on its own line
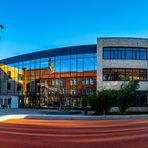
point(50, 77)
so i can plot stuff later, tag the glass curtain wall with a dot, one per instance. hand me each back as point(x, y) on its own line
point(52, 77)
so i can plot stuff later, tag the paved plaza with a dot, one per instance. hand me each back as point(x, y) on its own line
point(7, 111)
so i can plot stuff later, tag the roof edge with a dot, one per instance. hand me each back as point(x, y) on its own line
point(122, 38)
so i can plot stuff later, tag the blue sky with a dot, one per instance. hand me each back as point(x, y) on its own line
point(32, 25)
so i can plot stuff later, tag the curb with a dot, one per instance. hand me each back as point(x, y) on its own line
point(9, 117)
point(63, 117)
point(69, 117)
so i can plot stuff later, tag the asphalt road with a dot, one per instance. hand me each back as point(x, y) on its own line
point(132, 133)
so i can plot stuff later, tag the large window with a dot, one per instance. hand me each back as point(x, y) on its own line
point(121, 74)
point(125, 53)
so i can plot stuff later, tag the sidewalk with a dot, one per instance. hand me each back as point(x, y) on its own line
point(46, 114)
point(42, 111)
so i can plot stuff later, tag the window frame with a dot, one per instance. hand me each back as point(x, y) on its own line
point(111, 74)
point(122, 53)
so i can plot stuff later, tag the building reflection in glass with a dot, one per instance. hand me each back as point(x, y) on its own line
point(51, 77)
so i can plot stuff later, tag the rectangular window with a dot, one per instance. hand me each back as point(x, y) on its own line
point(19, 77)
point(142, 75)
point(74, 91)
point(87, 81)
point(135, 74)
point(8, 86)
point(119, 53)
point(91, 81)
point(84, 81)
point(114, 74)
point(135, 53)
point(128, 74)
point(57, 81)
point(125, 53)
point(73, 82)
point(9, 74)
point(106, 53)
point(129, 53)
point(106, 75)
point(143, 55)
point(19, 87)
point(119, 74)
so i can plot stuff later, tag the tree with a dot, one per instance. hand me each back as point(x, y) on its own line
point(126, 94)
point(102, 101)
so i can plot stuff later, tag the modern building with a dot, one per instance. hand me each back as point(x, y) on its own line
point(65, 75)
point(10, 85)
point(120, 60)
point(54, 76)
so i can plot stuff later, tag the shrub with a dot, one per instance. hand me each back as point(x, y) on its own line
point(102, 101)
point(126, 94)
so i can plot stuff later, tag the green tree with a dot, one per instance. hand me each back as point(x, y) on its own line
point(102, 101)
point(126, 94)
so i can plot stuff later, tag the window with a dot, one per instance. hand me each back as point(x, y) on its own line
point(19, 76)
point(129, 53)
point(135, 53)
point(143, 54)
point(106, 75)
point(128, 74)
point(114, 75)
point(91, 81)
point(125, 53)
point(63, 91)
point(106, 53)
point(19, 87)
point(9, 86)
point(88, 81)
point(114, 54)
point(74, 91)
point(57, 81)
point(119, 74)
point(9, 74)
point(73, 82)
point(136, 74)
point(140, 99)
point(87, 91)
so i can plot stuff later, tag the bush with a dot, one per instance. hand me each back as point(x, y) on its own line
point(126, 94)
point(102, 101)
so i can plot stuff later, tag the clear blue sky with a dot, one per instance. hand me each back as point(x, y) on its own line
point(32, 25)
